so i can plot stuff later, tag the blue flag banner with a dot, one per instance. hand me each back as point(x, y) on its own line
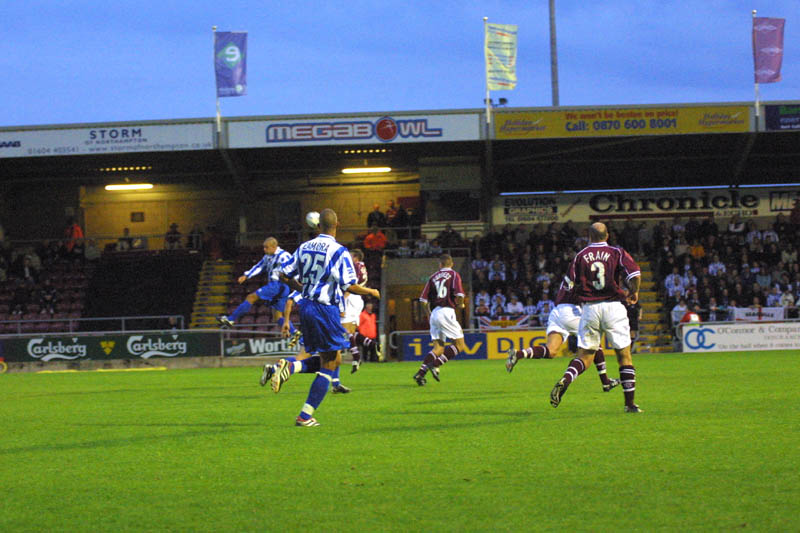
point(230, 62)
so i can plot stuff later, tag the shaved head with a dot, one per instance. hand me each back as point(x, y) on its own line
point(328, 220)
point(445, 260)
point(598, 232)
point(270, 245)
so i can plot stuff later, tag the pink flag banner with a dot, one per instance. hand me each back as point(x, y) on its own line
point(768, 48)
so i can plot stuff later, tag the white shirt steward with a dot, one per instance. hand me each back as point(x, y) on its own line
point(325, 270)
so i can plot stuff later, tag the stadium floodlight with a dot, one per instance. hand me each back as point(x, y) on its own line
point(129, 186)
point(366, 170)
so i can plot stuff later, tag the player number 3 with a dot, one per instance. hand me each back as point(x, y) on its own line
point(600, 269)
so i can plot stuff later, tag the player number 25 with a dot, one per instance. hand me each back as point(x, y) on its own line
point(600, 269)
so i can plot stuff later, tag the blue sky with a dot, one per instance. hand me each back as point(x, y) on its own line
point(90, 61)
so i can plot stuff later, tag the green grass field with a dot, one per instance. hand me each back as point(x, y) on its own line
point(210, 450)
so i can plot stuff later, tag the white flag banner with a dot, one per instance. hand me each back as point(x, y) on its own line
point(758, 313)
point(501, 56)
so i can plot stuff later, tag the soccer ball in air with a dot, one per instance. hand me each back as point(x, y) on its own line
point(312, 219)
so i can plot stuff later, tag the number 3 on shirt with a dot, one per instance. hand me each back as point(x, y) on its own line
point(600, 269)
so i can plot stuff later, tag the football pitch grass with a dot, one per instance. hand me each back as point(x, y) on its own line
point(209, 450)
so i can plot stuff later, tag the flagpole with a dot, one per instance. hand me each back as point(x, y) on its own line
point(214, 57)
point(488, 100)
point(755, 83)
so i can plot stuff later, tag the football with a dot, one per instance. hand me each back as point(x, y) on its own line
point(312, 219)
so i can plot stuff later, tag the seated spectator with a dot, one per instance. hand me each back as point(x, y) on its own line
point(479, 263)
point(172, 239)
point(125, 242)
point(714, 310)
point(422, 247)
point(48, 297)
point(530, 306)
point(696, 250)
point(24, 269)
point(497, 269)
point(436, 248)
point(482, 310)
point(751, 232)
point(732, 305)
point(449, 238)
point(678, 311)
point(498, 298)
point(483, 298)
point(787, 302)
point(403, 250)
point(22, 297)
point(515, 307)
point(91, 252)
point(498, 310)
point(735, 226)
point(774, 297)
point(716, 267)
point(782, 227)
point(543, 309)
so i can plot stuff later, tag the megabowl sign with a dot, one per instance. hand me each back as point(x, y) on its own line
point(353, 130)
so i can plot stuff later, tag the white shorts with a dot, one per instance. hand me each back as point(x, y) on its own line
point(444, 325)
point(564, 319)
point(353, 305)
point(610, 318)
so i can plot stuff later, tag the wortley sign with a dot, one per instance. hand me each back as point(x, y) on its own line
point(584, 207)
point(128, 346)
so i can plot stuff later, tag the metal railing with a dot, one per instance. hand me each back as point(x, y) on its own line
point(73, 323)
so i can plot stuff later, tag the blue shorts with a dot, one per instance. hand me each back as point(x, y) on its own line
point(274, 294)
point(321, 327)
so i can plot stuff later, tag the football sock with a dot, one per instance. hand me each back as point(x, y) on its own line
point(335, 382)
point(600, 364)
point(627, 374)
point(366, 341)
point(427, 363)
point(243, 308)
point(449, 352)
point(535, 352)
point(575, 369)
point(354, 350)
point(319, 388)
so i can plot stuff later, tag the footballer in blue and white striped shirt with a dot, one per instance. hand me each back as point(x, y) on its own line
point(323, 269)
point(274, 293)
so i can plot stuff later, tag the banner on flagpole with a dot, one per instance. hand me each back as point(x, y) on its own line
point(501, 56)
point(230, 63)
point(767, 48)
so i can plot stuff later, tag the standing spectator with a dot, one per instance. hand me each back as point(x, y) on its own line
point(376, 240)
point(195, 239)
point(714, 310)
point(782, 226)
point(375, 217)
point(530, 306)
point(391, 213)
point(401, 222)
point(774, 297)
point(73, 237)
point(172, 240)
point(368, 325)
point(479, 263)
point(24, 269)
point(794, 216)
point(48, 297)
point(449, 238)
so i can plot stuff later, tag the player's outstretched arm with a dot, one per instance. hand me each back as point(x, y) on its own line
point(364, 291)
